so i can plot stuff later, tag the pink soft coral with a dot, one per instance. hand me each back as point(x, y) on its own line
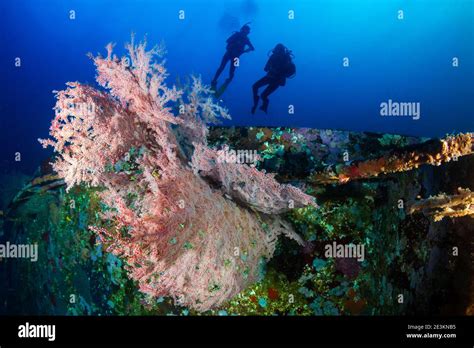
point(187, 226)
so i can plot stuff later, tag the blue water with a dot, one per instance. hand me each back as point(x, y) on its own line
point(407, 60)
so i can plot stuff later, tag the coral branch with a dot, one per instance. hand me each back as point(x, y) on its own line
point(442, 205)
point(246, 184)
point(434, 152)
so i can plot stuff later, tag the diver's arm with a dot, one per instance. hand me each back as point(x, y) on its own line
point(250, 48)
point(268, 65)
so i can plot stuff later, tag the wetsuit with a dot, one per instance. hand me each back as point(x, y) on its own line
point(276, 69)
point(235, 47)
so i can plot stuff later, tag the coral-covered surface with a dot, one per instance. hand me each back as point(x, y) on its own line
point(433, 152)
point(405, 254)
point(442, 205)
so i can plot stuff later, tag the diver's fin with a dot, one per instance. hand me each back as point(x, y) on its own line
point(220, 91)
point(213, 86)
point(255, 104)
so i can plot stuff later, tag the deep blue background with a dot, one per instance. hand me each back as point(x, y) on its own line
point(408, 60)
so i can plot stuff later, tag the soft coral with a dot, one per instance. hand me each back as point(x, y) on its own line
point(179, 234)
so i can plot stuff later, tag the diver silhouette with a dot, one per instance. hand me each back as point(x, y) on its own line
point(236, 46)
point(279, 67)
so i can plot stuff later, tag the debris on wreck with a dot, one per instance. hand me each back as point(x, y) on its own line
point(432, 152)
point(440, 206)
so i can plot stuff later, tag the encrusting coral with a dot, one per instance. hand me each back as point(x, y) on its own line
point(188, 226)
point(440, 206)
point(433, 152)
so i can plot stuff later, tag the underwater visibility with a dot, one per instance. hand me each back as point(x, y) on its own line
point(241, 157)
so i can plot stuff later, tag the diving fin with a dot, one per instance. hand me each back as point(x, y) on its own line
point(213, 85)
point(219, 91)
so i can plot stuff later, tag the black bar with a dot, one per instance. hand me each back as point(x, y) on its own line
point(239, 330)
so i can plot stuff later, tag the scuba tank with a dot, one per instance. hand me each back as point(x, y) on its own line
point(289, 70)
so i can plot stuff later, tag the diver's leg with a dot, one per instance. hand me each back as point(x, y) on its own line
point(221, 67)
point(231, 69)
point(262, 82)
point(272, 87)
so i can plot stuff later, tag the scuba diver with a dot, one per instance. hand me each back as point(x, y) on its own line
point(236, 46)
point(279, 67)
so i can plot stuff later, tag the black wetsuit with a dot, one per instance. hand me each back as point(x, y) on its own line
point(235, 47)
point(276, 68)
